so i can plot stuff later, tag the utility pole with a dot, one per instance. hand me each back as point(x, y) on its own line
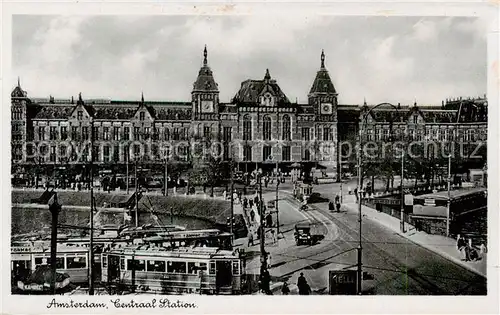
point(165, 193)
point(232, 200)
point(449, 198)
point(402, 194)
point(54, 208)
point(262, 230)
point(276, 204)
point(127, 160)
point(360, 193)
point(91, 244)
point(136, 196)
point(340, 176)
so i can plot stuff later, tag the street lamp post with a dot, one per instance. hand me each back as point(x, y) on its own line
point(231, 166)
point(165, 193)
point(263, 253)
point(402, 194)
point(340, 177)
point(449, 198)
point(276, 204)
point(136, 196)
point(360, 196)
point(91, 243)
point(54, 208)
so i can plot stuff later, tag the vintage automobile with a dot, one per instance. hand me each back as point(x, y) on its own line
point(303, 234)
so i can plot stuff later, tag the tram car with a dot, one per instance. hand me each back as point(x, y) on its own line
point(71, 260)
point(302, 192)
point(154, 269)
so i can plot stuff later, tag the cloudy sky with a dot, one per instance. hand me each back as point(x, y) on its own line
point(393, 59)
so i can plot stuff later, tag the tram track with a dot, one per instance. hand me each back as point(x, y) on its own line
point(374, 251)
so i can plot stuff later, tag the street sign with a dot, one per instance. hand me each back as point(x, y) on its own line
point(408, 200)
point(342, 282)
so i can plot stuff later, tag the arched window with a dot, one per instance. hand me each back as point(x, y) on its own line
point(167, 134)
point(266, 128)
point(286, 128)
point(247, 128)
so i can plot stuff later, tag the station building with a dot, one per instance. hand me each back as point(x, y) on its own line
point(257, 128)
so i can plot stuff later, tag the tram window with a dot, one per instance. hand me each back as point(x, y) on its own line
point(176, 267)
point(104, 261)
point(156, 265)
point(140, 265)
point(212, 268)
point(23, 264)
point(59, 261)
point(236, 267)
point(76, 262)
point(193, 267)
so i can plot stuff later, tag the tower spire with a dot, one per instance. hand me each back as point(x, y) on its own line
point(142, 97)
point(322, 59)
point(18, 82)
point(267, 76)
point(205, 62)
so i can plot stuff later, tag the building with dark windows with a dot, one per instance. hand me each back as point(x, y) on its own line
point(257, 128)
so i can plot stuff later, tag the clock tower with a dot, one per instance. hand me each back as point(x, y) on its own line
point(323, 95)
point(205, 94)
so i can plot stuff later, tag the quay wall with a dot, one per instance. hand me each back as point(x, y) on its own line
point(210, 209)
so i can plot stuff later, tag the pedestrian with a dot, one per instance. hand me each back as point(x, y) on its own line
point(268, 260)
point(467, 252)
point(460, 242)
point(356, 193)
point(285, 289)
point(273, 234)
point(330, 206)
point(250, 238)
point(349, 189)
point(245, 202)
point(269, 220)
point(303, 285)
point(252, 215)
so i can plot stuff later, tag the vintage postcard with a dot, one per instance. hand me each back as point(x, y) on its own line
point(232, 158)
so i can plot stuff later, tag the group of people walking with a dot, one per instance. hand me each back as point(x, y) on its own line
point(470, 253)
point(302, 285)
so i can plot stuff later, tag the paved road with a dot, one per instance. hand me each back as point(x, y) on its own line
point(399, 266)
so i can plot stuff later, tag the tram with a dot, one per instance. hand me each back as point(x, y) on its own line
point(71, 260)
point(302, 192)
point(154, 269)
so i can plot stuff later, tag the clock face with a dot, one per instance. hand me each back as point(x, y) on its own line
point(326, 109)
point(207, 106)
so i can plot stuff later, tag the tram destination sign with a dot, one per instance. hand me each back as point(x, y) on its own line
point(342, 282)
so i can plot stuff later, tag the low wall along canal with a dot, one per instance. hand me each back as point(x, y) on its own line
point(192, 213)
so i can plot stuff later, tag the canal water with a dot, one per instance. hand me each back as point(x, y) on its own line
point(30, 220)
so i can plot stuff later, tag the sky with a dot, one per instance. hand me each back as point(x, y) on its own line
point(380, 59)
